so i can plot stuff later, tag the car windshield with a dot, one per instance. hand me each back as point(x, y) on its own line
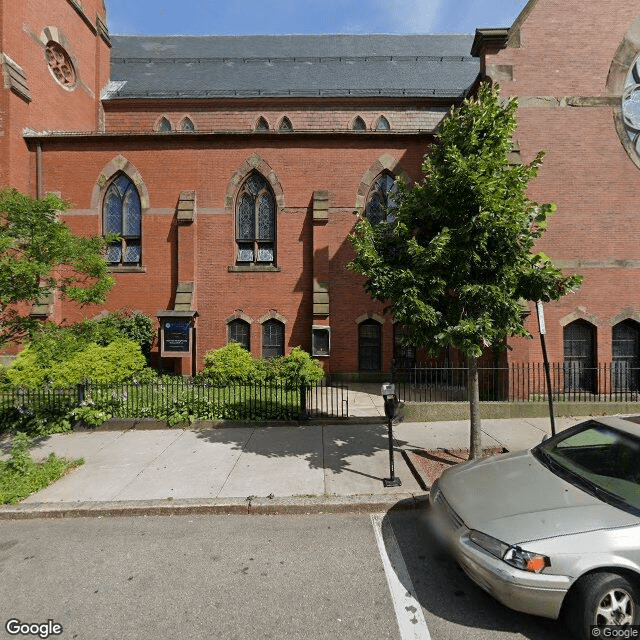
point(600, 460)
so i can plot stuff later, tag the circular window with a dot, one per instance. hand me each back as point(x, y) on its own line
point(60, 65)
point(631, 104)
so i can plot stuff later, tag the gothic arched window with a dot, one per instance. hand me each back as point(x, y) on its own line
point(285, 124)
point(240, 332)
point(256, 222)
point(359, 124)
point(272, 339)
point(187, 125)
point(383, 124)
point(262, 124)
point(381, 199)
point(122, 214)
point(164, 126)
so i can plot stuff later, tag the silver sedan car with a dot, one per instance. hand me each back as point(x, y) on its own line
point(554, 530)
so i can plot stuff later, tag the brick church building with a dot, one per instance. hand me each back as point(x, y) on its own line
point(232, 167)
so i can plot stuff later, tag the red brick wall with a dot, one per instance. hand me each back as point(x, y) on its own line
point(567, 50)
point(207, 164)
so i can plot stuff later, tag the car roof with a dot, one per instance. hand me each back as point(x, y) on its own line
point(629, 425)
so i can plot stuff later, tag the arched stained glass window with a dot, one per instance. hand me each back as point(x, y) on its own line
point(164, 126)
point(272, 339)
point(122, 214)
point(383, 124)
point(240, 332)
point(359, 124)
point(187, 125)
point(381, 199)
point(262, 124)
point(285, 124)
point(256, 221)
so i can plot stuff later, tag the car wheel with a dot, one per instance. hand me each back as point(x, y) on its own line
point(603, 599)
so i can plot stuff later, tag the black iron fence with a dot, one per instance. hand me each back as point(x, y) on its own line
point(522, 382)
point(176, 400)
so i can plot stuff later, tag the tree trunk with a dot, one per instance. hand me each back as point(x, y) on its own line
point(475, 444)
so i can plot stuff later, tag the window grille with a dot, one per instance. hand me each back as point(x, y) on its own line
point(369, 346)
point(272, 339)
point(285, 124)
point(240, 332)
point(262, 125)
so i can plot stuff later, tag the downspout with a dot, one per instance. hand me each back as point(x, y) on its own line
point(39, 171)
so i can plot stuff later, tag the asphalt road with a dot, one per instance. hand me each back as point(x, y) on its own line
point(245, 577)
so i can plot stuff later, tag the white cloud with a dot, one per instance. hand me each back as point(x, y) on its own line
point(415, 16)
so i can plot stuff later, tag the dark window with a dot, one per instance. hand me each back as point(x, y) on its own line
point(579, 351)
point(404, 356)
point(121, 214)
point(359, 124)
point(187, 125)
point(240, 332)
point(381, 199)
point(272, 339)
point(369, 346)
point(285, 124)
point(164, 125)
point(625, 348)
point(320, 341)
point(262, 125)
point(383, 124)
point(256, 222)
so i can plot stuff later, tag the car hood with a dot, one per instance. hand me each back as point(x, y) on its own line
point(516, 499)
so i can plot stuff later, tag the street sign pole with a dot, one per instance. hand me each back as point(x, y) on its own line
point(543, 331)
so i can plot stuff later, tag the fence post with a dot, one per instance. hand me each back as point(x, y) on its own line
point(304, 415)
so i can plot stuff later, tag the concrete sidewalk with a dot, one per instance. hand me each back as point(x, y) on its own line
point(238, 469)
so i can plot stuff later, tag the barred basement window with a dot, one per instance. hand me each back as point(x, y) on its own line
point(381, 199)
point(320, 341)
point(240, 332)
point(272, 339)
point(122, 214)
point(256, 222)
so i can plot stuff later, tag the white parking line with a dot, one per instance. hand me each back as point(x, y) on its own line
point(408, 610)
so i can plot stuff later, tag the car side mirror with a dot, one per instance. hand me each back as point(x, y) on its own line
point(545, 437)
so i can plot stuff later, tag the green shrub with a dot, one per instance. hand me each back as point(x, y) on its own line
point(20, 476)
point(299, 368)
point(230, 364)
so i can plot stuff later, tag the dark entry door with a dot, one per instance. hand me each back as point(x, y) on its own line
point(579, 361)
point(369, 346)
point(626, 355)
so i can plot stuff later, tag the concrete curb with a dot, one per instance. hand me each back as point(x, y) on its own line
point(223, 506)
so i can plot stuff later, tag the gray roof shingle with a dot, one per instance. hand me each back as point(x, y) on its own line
point(297, 66)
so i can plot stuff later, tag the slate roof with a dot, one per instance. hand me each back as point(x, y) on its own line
point(296, 65)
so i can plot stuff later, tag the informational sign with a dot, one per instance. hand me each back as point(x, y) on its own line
point(176, 336)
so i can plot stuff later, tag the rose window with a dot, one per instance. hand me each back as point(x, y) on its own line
point(60, 65)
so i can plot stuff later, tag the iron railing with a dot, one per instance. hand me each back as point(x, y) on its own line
point(522, 382)
point(172, 398)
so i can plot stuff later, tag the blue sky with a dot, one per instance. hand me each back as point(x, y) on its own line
point(236, 17)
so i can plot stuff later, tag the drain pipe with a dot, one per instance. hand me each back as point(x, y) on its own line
point(39, 171)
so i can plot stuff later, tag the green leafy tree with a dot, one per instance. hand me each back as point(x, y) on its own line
point(456, 259)
point(39, 254)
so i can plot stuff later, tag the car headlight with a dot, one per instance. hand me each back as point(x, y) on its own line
point(515, 556)
point(494, 546)
point(526, 560)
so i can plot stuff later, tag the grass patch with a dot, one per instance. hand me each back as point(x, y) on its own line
point(20, 475)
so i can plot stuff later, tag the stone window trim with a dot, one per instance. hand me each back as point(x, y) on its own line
point(15, 77)
point(358, 124)
point(384, 163)
point(239, 315)
point(621, 85)
point(253, 163)
point(626, 314)
point(272, 314)
point(120, 165)
point(370, 316)
point(262, 124)
point(163, 125)
point(580, 313)
point(54, 37)
point(186, 125)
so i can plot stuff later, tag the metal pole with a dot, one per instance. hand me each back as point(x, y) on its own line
point(392, 480)
point(545, 359)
